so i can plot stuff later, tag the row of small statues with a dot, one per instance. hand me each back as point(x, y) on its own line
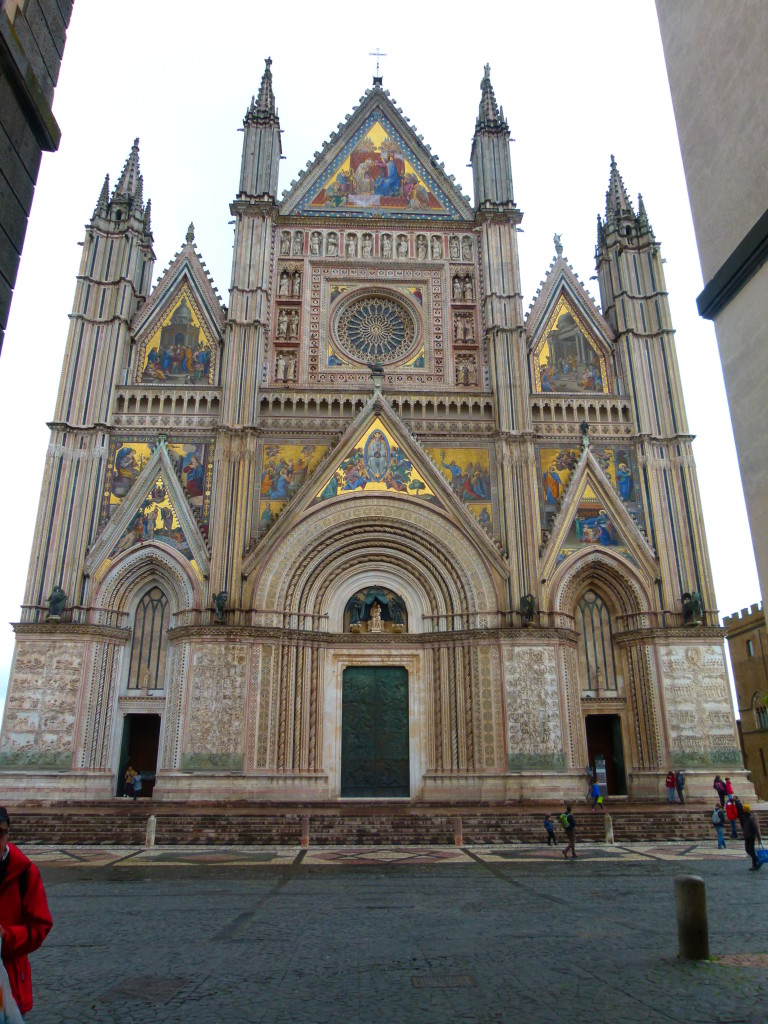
point(290, 284)
point(288, 324)
point(459, 249)
point(285, 367)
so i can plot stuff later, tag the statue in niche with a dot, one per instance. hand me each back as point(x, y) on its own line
point(285, 244)
point(351, 245)
point(293, 325)
point(527, 608)
point(402, 246)
point(469, 329)
point(284, 287)
point(457, 291)
point(291, 368)
point(298, 243)
point(421, 247)
point(693, 610)
point(437, 248)
point(453, 247)
point(466, 249)
point(57, 599)
point(469, 293)
point(280, 367)
point(374, 623)
point(386, 247)
point(220, 604)
point(354, 612)
point(315, 240)
point(333, 245)
point(282, 323)
point(367, 246)
point(296, 287)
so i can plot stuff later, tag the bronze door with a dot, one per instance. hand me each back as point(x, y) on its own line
point(374, 732)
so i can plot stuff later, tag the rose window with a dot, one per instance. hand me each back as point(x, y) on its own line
point(376, 329)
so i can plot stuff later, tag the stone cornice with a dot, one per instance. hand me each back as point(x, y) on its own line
point(528, 636)
point(670, 634)
point(71, 631)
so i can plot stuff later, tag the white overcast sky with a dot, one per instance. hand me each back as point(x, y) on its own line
point(578, 82)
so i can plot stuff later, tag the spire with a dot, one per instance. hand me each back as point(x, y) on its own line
point(130, 183)
point(102, 204)
point(148, 217)
point(643, 224)
point(617, 204)
point(263, 107)
point(600, 231)
point(489, 115)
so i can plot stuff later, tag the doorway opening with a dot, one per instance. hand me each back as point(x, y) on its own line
point(141, 739)
point(606, 753)
point(374, 732)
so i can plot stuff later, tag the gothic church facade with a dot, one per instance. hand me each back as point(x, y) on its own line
point(371, 530)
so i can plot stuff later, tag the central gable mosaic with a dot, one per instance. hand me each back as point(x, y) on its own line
point(377, 173)
point(567, 357)
point(181, 349)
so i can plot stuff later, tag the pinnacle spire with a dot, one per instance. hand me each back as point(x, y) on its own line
point(102, 203)
point(617, 202)
point(489, 115)
point(263, 106)
point(643, 224)
point(130, 183)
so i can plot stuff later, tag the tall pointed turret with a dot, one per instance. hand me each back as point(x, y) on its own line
point(491, 166)
point(130, 183)
point(618, 208)
point(261, 142)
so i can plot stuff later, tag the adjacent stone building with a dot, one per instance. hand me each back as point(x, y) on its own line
point(371, 530)
point(32, 37)
point(748, 647)
point(715, 56)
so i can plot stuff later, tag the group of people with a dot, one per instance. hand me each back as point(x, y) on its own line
point(132, 780)
point(568, 824)
point(675, 783)
point(728, 808)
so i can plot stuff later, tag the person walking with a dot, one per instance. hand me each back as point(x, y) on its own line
point(732, 815)
point(680, 785)
point(751, 828)
point(595, 794)
point(569, 824)
point(669, 782)
point(719, 787)
point(718, 820)
point(25, 919)
point(728, 787)
point(550, 829)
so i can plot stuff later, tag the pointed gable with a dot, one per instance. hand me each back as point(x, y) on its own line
point(179, 330)
point(376, 165)
point(570, 343)
point(593, 517)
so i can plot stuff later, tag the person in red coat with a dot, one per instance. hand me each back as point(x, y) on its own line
point(25, 919)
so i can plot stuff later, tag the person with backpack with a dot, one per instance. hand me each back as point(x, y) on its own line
point(569, 825)
point(25, 919)
point(719, 787)
point(680, 785)
point(718, 820)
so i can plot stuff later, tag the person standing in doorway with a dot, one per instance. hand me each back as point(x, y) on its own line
point(669, 782)
point(751, 828)
point(137, 785)
point(569, 824)
point(129, 778)
point(25, 919)
point(680, 785)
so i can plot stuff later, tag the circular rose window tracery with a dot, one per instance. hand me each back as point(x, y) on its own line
point(376, 329)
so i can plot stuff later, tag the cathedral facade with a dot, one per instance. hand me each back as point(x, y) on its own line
point(371, 530)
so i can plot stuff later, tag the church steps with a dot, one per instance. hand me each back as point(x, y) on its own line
point(118, 825)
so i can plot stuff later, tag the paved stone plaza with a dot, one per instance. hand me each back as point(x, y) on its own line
point(481, 935)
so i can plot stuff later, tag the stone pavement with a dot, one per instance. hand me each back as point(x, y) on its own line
point(486, 935)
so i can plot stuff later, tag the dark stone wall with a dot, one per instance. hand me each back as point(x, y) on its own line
point(31, 48)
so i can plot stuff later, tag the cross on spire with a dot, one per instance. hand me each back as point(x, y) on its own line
point(377, 78)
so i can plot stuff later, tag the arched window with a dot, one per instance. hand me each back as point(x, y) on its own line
point(593, 621)
point(150, 642)
point(761, 713)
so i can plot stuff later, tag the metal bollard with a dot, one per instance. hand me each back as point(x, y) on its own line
point(691, 913)
point(609, 830)
point(305, 831)
point(151, 828)
point(458, 833)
